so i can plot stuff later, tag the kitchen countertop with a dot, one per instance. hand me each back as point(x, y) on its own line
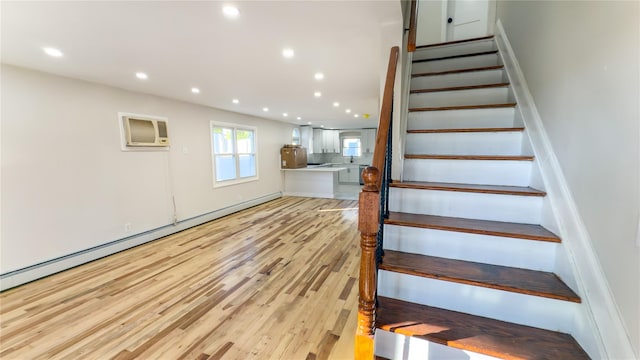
point(318, 168)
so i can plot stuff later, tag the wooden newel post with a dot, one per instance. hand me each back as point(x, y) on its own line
point(368, 226)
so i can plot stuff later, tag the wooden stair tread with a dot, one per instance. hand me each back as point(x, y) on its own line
point(474, 333)
point(458, 71)
point(450, 57)
point(473, 226)
point(523, 281)
point(464, 130)
point(464, 107)
point(470, 157)
point(457, 88)
point(485, 189)
point(454, 42)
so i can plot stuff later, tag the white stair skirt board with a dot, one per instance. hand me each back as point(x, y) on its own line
point(461, 119)
point(460, 79)
point(454, 49)
point(508, 208)
point(520, 253)
point(460, 97)
point(545, 313)
point(400, 347)
point(476, 143)
point(455, 64)
point(486, 172)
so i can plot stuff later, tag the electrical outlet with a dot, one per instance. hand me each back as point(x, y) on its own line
point(127, 227)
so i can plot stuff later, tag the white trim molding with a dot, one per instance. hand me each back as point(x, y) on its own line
point(37, 271)
point(601, 331)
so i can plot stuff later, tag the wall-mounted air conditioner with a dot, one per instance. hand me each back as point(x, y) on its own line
point(145, 131)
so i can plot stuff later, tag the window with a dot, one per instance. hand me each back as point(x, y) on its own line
point(234, 153)
point(295, 136)
point(351, 146)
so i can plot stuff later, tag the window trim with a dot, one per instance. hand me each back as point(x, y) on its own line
point(235, 127)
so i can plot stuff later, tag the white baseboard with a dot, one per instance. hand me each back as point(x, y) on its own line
point(34, 272)
point(310, 194)
point(607, 337)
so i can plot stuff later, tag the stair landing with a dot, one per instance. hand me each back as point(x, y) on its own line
point(474, 333)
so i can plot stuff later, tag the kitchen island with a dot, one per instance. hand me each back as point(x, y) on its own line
point(312, 181)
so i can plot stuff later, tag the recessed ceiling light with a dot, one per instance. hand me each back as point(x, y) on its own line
point(288, 53)
point(348, 111)
point(356, 115)
point(53, 52)
point(318, 76)
point(336, 104)
point(309, 122)
point(142, 76)
point(298, 118)
point(265, 109)
point(321, 125)
point(195, 90)
point(230, 12)
point(235, 101)
point(285, 114)
point(317, 94)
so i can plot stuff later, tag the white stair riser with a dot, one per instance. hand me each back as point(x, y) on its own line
point(396, 346)
point(502, 305)
point(485, 143)
point(495, 250)
point(509, 208)
point(455, 64)
point(487, 172)
point(461, 79)
point(458, 49)
point(460, 97)
point(461, 119)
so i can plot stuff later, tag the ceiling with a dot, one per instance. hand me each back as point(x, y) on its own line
point(181, 45)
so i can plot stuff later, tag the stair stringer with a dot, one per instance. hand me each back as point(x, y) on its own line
point(598, 327)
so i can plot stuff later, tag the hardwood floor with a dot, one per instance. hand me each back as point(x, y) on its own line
point(277, 281)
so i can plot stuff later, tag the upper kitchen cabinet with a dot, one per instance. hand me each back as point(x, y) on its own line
point(331, 141)
point(368, 139)
point(306, 138)
point(318, 141)
point(326, 141)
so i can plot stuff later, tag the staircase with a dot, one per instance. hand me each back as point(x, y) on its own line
point(466, 262)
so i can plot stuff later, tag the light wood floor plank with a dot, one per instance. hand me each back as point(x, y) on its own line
point(277, 281)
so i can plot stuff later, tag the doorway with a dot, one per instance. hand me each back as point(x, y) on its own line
point(450, 20)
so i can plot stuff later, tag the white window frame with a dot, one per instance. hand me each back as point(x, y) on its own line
point(234, 127)
point(342, 148)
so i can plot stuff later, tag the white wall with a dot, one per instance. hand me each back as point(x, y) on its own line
point(580, 60)
point(67, 186)
point(431, 15)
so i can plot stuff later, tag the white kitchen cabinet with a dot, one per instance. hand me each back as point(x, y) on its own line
point(343, 176)
point(306, 138)
point(326, 141)
point(318, 141)
point(350, 174)
point(331, 141)
point(368, 140)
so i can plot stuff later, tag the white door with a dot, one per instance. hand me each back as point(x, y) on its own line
point(469, 18)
